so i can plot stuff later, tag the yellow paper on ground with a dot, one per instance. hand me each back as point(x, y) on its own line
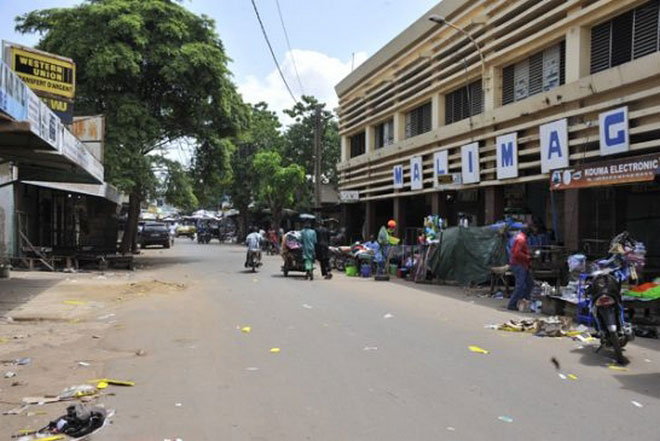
point(614, 367)
point(478, 350)
point(246, 329)
point(572, 377)
point(74, 302)
point(113, 382)
point(274, 350)
point(102, 385)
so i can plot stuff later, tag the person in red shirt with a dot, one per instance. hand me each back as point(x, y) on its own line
point(520, 263)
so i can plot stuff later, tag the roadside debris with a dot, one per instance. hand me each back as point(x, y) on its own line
point(388, 316)
point(251, 369)
point(505, 419)
point(83, 364)
point(246, 329)
point(275, 350)
point(542, 327)
point(10, 374)
point(113, 382)
point(616, 367)
point(370, 348)
point(140, 352)
point(555, 363)
point(74, 302)
point(81, 390)
point(306, 306)
point(637, 404)
point(478, 350)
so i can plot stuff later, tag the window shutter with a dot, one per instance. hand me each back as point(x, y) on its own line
point(601, 36)
point(476, 92)
point(449, 108)
point(622, 27)
point(562, 62)
point(521, 80)
point(378, 136)
point(551, 66)
point(507, 85)
point(536, 73)
point(388, 134)
point(646, 29)
point(409, 124)
point(426, 118)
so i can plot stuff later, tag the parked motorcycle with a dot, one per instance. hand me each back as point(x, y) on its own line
point(203, 237)
point(607, 312)
point(254, 260)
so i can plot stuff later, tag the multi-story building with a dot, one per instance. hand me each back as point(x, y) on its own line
point(476, 111)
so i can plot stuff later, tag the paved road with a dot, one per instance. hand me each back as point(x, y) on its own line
point(347, 373)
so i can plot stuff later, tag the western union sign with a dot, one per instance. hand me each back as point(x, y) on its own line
point(43, 72)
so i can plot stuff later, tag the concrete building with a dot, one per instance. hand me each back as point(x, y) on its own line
point(476, 112)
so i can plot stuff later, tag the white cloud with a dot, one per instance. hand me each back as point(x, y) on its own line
point(319, 73)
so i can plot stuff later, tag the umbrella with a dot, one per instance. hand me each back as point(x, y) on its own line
point(307, 216)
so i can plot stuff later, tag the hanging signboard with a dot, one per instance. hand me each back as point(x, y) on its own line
point(397, 172)
point(470, 163)
point(440, 166)
point(416, 173)
point(507, 156)
point(42, 71)
point(554, 145)
point(349, 196)
point(613, 130)
point(621, 171)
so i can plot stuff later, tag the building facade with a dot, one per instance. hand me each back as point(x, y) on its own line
point(472, 114)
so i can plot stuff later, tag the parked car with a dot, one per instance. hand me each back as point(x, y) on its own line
point(155, 233)
point(187, 230)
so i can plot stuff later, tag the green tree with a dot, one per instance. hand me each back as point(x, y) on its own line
point(157, 71)
point(276, 183)
point(263, 135)
point(299, 143)
point(211, 170)
point(178, 186)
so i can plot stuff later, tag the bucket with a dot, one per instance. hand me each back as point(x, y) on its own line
point(351, 271)
point(393, 268)
point(365, 270)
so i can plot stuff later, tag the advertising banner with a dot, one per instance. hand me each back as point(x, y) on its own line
point(44, 72)
point(621, 171)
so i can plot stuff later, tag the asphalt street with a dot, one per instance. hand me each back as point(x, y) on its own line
point(358, 360)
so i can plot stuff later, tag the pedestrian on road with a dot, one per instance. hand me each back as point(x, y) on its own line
point(253, 243)
point(309, 244)
point(322, 252)
point(520, 263)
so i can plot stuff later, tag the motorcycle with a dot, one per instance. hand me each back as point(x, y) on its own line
point(203, 237)
point(254, 260)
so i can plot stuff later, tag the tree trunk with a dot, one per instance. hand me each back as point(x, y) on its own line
point(276, 215)
point(129, 241)
point(242, 225)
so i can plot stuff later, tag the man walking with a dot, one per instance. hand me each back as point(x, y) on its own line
point(520, 263)
point(322, 252)
point(308, 237)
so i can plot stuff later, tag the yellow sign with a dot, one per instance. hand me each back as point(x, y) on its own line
point(44, 73)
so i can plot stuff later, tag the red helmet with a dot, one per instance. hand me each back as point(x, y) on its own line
point(391, 224)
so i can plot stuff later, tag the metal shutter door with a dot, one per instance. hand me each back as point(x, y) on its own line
point(622, 32)
point(536, 73)
point(425, 111)
point(646, 29)
point(477, 97)
point(507, 85)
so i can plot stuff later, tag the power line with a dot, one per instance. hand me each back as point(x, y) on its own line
point(288, 44)
point(263, 30)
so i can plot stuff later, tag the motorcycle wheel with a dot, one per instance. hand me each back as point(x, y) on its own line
point(340, 264)
point(613, 337)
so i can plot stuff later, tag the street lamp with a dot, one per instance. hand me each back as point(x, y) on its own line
point(442, 20)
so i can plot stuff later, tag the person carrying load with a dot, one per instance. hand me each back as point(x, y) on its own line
point(385, 240)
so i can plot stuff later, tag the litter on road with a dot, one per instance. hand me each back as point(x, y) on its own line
point(275, 350)
point(83, 364)
point(251, 369)
point(388, 316)
point(306, 306)
point(10, 374)
point(246, 329)
point(113, 382)
point(478, 350)
point(506, 419)
point(543, 327)
point(370, 348)
point(615, 367)
point(637, 404)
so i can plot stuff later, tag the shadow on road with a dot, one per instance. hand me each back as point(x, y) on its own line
point(589, 357)
point(159, 261)
point(20, 290)
point(646, 384)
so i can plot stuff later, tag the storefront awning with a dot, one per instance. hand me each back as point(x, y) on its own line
point(631, 170)
point(61, 158)
point(105, 190)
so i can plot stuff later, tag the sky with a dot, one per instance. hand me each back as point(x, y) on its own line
point(328, 38)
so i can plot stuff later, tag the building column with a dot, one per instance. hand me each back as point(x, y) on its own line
point(399, 126)
point(572, 220)
point(398, 216)
point(370, 218)
point(437, 110)
point(369, 139)
point(578, 47)
point(493, 204)
point(345, 156)
point(492, 88)
point(439, 204)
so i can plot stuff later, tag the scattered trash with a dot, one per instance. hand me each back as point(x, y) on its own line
point(106, 316)
point(16, 411)
point(178, 404)
point(102, 385)
point(83, 364)
point(647, 360)
point(10, 374)
point(140, 352)
point(637, 404)
point(80, 420)
point(584, 338)
point(646, 331)
point(478, 350)
point(388, 316)
point(23, 361)
point(74, 302)
point(370, 348)
point(555, 362)
point(543, 327)
point(246, 329)
point(41, 400)
point(499, 295)
point(18, 383)
point(113, 382)
point(506, 419)
point(451, 429)
point(615, 367)
point(493, 327)
point(306, 306)
point(251, 369)
point(275, 350)
point(562, 376)
point(572, 377)
point(81, 390)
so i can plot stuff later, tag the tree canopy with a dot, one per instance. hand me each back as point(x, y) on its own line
point(156, 70)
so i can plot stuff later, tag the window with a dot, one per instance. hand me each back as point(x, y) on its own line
point(357, 144)
point(464, 102)
point(418, 120)
point(541, 72)
point(626, 37)
point(385, 133)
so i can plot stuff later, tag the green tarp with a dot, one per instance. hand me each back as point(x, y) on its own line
point(467, 254)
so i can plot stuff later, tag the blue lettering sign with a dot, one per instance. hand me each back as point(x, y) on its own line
point(398, 175)
point(610, 120)
point(555, 145)
point(416, 174)
point(439, 169)
point(507, 154)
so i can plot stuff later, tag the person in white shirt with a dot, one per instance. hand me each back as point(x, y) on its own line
point(253, 243)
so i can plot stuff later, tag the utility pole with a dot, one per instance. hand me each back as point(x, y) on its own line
point(317, 161)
